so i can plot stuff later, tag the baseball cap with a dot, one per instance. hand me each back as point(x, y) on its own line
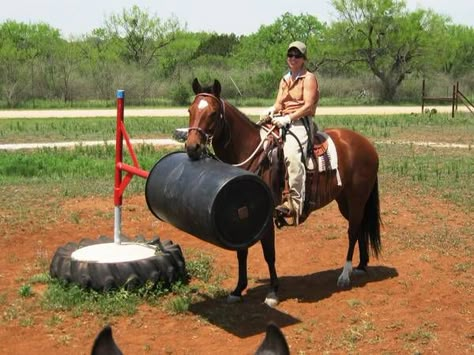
point(299, 46)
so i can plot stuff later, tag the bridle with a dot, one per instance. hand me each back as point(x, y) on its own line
point(208, 137)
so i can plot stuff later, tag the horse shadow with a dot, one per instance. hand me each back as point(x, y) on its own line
point(317, 286)
point(251, 317)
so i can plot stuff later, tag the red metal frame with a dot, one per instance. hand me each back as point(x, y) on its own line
point(121, 134)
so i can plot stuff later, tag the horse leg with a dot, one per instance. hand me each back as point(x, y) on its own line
point(344, 279)
point(236, 295)
point(363, 255)
point(268, 246)
point(353, 213)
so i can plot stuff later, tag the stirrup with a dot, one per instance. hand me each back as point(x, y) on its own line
point(283, 212)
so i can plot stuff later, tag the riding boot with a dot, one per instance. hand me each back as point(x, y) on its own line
point(289, 209)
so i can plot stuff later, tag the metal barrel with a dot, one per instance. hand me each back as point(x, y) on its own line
point(216, 202)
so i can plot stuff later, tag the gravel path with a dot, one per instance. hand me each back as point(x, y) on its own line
point(172, 142)
point(182, 112)
point(19, 146)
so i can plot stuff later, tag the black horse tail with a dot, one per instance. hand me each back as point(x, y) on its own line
point(371, 221)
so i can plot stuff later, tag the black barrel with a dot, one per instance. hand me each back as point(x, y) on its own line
point(216, 202)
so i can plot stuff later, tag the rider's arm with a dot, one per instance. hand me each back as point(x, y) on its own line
point(278, 105)
point(310, 96)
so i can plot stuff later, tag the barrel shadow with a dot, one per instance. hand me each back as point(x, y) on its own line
point(245, 319)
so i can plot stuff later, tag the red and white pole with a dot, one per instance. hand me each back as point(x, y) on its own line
point(118, 171)
point(120, 184)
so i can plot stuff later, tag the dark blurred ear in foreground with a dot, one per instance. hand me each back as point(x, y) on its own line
point(274, 342)
point(104, 344)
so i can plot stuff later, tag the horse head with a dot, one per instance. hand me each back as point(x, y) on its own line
point(206, 118)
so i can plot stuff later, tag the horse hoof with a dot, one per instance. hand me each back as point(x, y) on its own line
point(343, 282)
point(231, 299)
point(272, 300)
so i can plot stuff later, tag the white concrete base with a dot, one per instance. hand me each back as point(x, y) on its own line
point(114, 253)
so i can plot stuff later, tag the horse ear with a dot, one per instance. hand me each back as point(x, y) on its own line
point(216, 89)
point(104, 343)
point(197, 88)
point(274, 342)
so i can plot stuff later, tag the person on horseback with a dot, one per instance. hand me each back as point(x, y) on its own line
point(294, 108)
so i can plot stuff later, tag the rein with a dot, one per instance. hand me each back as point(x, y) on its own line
point(262, 141)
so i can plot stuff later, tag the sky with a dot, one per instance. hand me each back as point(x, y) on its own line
point(241, 17)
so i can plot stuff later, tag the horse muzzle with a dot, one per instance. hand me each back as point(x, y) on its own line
point(196, 143)
point(195, 151)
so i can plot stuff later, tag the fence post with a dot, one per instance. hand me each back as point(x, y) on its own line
point(457, 94)
point(454, 101)
point(423, 97)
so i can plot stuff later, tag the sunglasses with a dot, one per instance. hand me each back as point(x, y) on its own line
point(294, 55)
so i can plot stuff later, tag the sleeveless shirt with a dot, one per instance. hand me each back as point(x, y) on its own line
point(293, 97)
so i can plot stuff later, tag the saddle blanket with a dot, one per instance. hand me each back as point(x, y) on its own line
point(327, 160)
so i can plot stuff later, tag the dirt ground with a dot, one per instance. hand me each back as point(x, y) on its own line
point(417, 298)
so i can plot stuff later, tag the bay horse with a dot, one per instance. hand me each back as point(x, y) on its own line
point(236, 140)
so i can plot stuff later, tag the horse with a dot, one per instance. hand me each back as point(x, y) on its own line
point(236, 140)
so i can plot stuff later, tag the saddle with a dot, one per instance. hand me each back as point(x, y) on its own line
point(317, 147)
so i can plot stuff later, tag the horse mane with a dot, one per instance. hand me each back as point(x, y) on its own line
point(241, 114)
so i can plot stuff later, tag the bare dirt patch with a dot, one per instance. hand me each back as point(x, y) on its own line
point(416, 298)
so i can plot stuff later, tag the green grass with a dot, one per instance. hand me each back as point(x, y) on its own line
point(439, 127)
point(200, 265)
point(72, 129)
point(25, 291)
point(416, 127)
point(42, 104)
point(59, 297)
point(84, 170)
point(443, 172)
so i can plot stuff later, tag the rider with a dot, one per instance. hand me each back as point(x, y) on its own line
point(298, 95)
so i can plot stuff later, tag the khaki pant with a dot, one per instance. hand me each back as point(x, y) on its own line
point(294, 165)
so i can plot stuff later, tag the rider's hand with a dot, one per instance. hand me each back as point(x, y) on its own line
point(281, 121)
point(268, 112)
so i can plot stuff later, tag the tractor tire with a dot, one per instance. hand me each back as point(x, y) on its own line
point(166, 266)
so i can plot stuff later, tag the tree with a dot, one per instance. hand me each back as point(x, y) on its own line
point(218, 44)
point(390, 41)
point(459, 58)
point(101, 62)
point(269, 44)
point(21, 46)
point(140, 35)
point(65, 63)
point(266, 49)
